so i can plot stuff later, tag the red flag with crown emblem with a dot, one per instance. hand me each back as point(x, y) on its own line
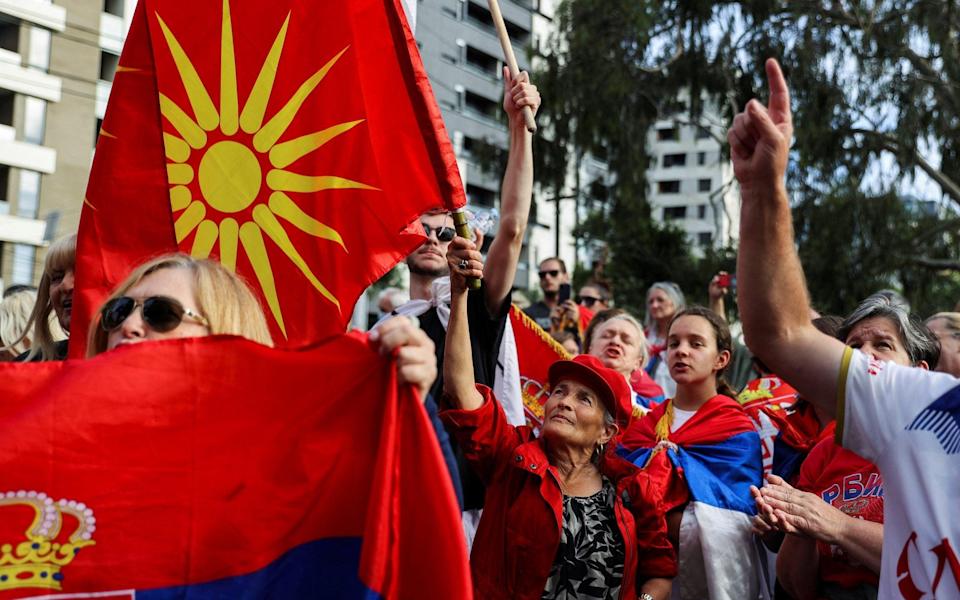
point(219, 468)
point(294, 141)
point(536, 351)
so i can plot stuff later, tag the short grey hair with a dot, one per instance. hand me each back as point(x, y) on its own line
point(919, 342)
point(673, 292)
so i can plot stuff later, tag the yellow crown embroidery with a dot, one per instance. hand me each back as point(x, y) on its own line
point(35, 560)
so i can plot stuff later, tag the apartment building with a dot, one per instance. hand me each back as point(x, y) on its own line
point(464, 60)
point(56, 65)
point(27, 89)
point(691, 183)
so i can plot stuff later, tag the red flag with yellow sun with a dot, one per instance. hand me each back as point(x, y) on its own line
point(292, 140)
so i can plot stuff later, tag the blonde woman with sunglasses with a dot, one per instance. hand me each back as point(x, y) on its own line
point(177, 296)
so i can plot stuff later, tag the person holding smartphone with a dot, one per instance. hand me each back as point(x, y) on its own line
point(555, 285)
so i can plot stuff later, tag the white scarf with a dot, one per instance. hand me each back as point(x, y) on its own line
point(439, 299)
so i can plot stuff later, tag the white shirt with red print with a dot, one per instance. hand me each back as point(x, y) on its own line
point(907, 422)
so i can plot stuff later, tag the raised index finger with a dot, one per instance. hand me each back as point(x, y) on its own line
point(779, 105)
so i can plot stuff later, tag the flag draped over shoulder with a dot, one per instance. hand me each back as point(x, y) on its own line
point(536, 351)
point(707, 464)
point(249, 472)
point(293, 141)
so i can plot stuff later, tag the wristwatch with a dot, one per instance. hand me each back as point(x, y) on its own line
point(645, 596)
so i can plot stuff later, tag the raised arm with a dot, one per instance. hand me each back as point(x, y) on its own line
point(458, 378)
point(716, 291)
point(771, 292)
point(515, 193)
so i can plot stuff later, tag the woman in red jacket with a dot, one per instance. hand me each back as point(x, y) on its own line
point(563, 518)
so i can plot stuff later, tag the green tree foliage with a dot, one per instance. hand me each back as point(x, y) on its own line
point(876, 100)
point(853, 245)
point(598, 99)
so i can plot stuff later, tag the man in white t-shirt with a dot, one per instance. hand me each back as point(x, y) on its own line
point(905, 420)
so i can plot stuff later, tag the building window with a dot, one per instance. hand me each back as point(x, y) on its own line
point(38, 55)
point(479, 196)
point(480, 106)
point(704, 238)
point(703, 185)
point(674, 160)
point(113, 7)
point(108, 65)
point(6, 107)
point(668, 134)
point(34, 119)
point(483, 62)
point(28, 200)
point(10, 35)
point(24, 257)
point(668, 187)
point(4, 183)
point(702, 211)
point(96, 132)
point(703, 133)
point(480, 16)
point(701, 158)
point(674, 212)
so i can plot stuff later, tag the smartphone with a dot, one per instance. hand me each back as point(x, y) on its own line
point(724, 280)
point(564, 294)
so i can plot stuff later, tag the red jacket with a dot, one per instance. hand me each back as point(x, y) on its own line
point(519, 533)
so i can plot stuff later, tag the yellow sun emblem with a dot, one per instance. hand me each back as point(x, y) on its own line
point(225, 152)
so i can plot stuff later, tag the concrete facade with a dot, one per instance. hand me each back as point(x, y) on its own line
point(56, 64)
point(464, 61)
point(691, 184)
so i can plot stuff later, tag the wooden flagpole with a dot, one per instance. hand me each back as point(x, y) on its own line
point(511, 58)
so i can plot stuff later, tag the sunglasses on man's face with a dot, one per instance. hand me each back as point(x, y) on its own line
point(551, 273)
point(444, 234)
point(160, 313)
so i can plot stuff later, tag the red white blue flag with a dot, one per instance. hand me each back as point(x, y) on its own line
point(216, 467)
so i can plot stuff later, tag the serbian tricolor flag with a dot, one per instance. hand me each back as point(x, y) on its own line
point(216, 467)
point(536, 351)
point(706, 466)
point(295, 141)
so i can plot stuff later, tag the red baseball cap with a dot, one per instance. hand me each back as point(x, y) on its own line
point(610, 386)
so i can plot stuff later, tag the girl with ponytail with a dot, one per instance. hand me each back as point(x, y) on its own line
point(702, 449)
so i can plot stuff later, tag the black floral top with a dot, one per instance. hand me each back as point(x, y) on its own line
point(590, 558)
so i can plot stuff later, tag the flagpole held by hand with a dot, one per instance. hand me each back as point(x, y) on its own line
point(463, 230)
point(511, 58)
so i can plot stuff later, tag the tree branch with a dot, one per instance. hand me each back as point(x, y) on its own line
point(937, 264)
point(947, 185)
point(941, 88)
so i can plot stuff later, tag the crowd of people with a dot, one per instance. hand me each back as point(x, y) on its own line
point(657, 472)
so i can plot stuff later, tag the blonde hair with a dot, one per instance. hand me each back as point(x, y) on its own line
point(61, 257)
point(222, 296)
point(15, 312)
point(952, 319)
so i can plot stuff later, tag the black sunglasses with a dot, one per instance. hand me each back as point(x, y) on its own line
point(444, 234)
point(551, 273)
point(162, 314)
point(587, 301)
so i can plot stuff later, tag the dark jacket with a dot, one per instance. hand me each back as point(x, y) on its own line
point(60, 353)
point(519, 533)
